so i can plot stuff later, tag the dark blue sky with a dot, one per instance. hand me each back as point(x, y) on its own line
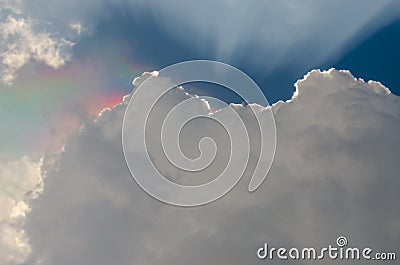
point(375, 57)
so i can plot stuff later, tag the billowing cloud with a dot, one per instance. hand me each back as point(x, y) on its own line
point(20, 181)
point(335, 173)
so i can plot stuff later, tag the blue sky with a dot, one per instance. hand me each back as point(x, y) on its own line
point(371, 53)
point(376, 58)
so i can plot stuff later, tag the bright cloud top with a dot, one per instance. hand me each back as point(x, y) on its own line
point(335, 172)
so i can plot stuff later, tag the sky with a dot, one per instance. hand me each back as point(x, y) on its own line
point(64, 62)
point(116, 42)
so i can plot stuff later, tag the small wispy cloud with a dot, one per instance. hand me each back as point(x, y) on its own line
point(22, 41)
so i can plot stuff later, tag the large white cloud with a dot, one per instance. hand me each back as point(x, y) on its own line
point(335, 173)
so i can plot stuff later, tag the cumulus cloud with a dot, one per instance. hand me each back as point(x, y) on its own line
point(335, 173)
point(20, 181)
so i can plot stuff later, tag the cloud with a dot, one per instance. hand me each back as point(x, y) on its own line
point(335, 173)
point(78, 27)
point(23, 42)
point(20, 181)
